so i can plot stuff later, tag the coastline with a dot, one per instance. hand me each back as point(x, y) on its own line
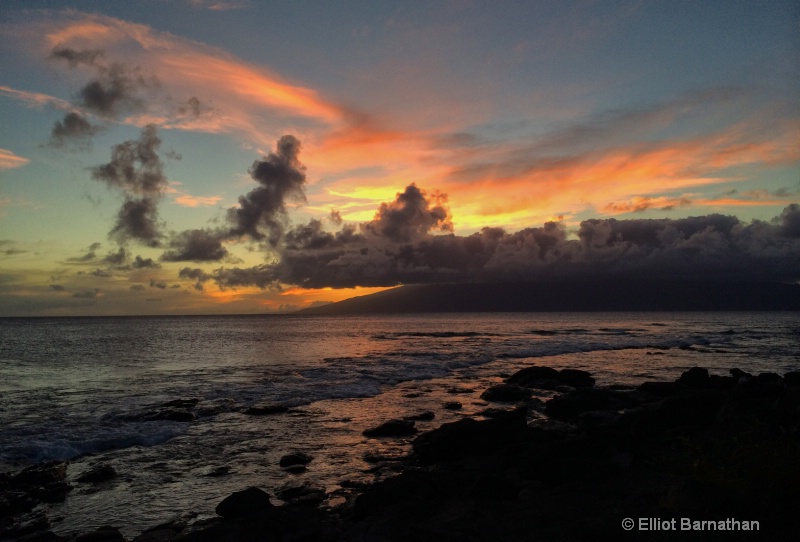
point(711, 450)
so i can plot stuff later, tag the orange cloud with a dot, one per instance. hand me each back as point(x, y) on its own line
point(35, 99)
point(188, 200)
point(9, 160)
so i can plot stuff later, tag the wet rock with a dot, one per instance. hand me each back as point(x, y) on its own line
point(266, 409)
point(659, 389)
point(247, 503)
point(466, 437)
point(740, 375)
point(452, 405)
point(792, 378)
point(24, 525)
point(506, 393)
point(694, 378)
point(98, 474)
point(392, 428)
point(576, 378)
point(301, 494)
point(535, 377)
point(422, 416)
point(768, 378)
point(295, 458)
point(103, 534)
point(166, 532)
point(569, 406)
point(40, 475)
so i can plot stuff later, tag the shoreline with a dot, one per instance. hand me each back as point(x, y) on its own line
point(704, 447)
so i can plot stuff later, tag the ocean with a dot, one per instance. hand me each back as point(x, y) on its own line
point(86, 390)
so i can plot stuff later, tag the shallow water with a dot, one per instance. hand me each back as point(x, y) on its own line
point(69, 389)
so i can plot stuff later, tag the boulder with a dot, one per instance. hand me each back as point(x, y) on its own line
point(467, 437)
point(265, 409)
point(98, 474)
point(392, 428)
point(576, 378)
point(295, 458)
point(506, 393)
point(452, 405)
point(251, 502)
point(695, 378)
point(792, 378)
point(534, 377)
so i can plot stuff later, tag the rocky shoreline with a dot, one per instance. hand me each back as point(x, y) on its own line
point(706, 457)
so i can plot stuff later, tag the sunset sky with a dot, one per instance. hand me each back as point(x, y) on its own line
point(203, 156)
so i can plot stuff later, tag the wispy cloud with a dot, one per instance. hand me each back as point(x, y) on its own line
point(9, 160)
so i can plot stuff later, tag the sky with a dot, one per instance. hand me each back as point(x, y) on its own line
point(234, 156)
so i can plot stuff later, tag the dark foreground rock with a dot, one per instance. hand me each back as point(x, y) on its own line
point(392, 428)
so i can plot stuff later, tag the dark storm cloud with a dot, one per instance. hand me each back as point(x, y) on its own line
point(137, 219)
point(75, 57)
point(91, 255)
point(138, 172)
point(117, 258)
point(160, 284)
point(790, 221)
point(57, 287)
point(195, 274)
point(73, 132)
point(102, 273)
point(195, 245)
point(145, 263)
point(135, 166)
point(713, 246)
point(115, 89)
point(411, 215)
point(261, 214)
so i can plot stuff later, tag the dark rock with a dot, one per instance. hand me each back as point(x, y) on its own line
point(792, 378)
point(51, 493)
point(250, 502)
point(295, 469)
point(26, 524)
point(659, 389)
point(422, 416)
point(301, 494)
point(694, 378)
point(567, 407)
point(166, 532)
point(40, 475)
point(506, 393)
point(740, 375)
point(466, 437)
point(96, 475)
point(452, 405)
point(266, 409)
point(44, 536)
point(532, 377)
point(295, 458)
point(768, 378)
point(576, 378)
point(218, 471)
point(103, 534)
point(392, 428)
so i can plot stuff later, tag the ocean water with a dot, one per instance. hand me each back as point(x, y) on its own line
point(78, 389)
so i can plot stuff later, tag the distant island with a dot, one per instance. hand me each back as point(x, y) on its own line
point(567, 296)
